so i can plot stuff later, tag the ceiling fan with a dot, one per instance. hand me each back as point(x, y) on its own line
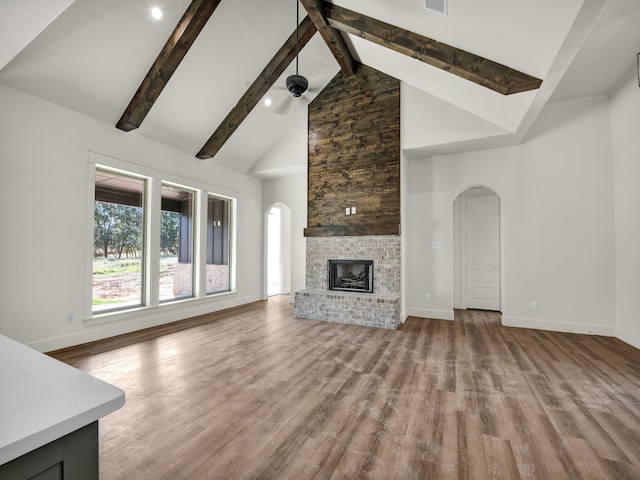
point(296, 84)
point(284, 102)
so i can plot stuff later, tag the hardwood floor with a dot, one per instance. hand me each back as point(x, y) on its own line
point(258, 394)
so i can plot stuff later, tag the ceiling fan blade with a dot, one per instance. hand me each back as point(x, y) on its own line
point(285, 106)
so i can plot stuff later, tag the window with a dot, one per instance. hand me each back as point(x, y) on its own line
point(218, 225)
point(155, 241)
point(176, 243)
point(118, 241)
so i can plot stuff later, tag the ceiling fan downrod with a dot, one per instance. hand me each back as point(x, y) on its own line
point(297, 84)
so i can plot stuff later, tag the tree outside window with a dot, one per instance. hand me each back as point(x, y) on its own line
point(120, 237)
point(118, 241)
point(176, 242)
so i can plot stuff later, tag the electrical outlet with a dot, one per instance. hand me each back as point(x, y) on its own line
point(534, 306)
point(347, 211)
point(427, 297)
point(71, 317)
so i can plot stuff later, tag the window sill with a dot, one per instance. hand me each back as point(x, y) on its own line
point(168, 307)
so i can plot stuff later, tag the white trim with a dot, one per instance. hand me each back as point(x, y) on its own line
point(557, 326)
point(434, 314)
point(153, 217)
point(128, 167)
point(462, 251)
point(233, 246)
point(139, 319)
point(200, 245)
point(632, 339)
point(90, 219)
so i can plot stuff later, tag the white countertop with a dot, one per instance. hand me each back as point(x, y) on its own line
point(42, 399)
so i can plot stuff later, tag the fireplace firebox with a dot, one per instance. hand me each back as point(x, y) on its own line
point(351, 275)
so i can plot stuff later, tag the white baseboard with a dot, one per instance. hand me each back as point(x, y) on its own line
point(127, 322)
point(435, 314)
point(555, 326)
point(628, 337)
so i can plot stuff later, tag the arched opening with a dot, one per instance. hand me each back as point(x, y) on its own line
point(278, 251)
point(477, 257)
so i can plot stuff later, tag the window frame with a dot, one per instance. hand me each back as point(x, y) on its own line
point(151, 238)
point(144, 248)
point(228, 227)
point(190, 242)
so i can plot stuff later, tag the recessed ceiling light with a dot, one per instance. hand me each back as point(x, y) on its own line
point(267, 101)
point(156, 13)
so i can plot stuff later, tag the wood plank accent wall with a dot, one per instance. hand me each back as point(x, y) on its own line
point(354, 156)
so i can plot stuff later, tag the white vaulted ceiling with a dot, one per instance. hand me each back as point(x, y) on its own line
point(91, 55)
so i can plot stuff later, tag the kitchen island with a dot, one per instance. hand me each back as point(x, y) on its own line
point(49, 414)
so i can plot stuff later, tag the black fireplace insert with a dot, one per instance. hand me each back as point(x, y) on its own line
point(351, 275)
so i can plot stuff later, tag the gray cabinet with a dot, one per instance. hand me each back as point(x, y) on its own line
point(72, 457)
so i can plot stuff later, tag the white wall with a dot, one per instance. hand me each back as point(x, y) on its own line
point(556, 192)
point(288, 154)
point(44, 190)
point(428, 121)
point(625, 120)
point(287, 158)
point(292, 191)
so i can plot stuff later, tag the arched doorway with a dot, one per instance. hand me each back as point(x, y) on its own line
point(278, 251)
point(477, 259)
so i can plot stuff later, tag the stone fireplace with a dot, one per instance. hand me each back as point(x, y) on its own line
point(353, 201)
point(378, 308)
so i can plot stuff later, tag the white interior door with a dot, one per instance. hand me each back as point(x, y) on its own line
point(482, 241)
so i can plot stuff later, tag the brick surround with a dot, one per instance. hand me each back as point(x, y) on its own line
point(378, 309)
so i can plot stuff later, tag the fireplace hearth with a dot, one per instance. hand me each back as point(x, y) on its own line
point(351, 275)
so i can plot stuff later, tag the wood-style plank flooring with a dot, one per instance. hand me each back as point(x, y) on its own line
point(258, 394)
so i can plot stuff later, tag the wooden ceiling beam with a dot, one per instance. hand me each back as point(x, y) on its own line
point(184, 35)
point(332, 37)
point(469, 66)
point(258, 88)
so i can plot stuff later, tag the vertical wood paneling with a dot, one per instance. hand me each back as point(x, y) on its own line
point(354, 156)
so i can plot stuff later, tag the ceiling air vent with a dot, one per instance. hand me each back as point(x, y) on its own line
point(439, 6)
